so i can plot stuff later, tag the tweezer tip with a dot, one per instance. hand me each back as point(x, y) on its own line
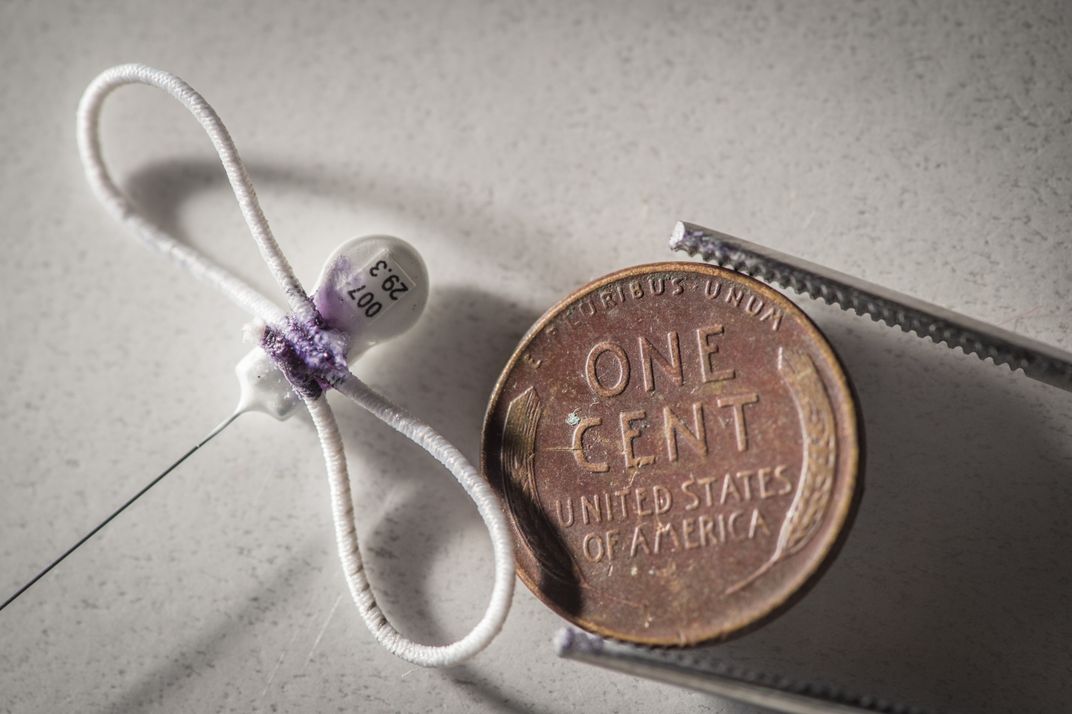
point(678, 235)
point(570, 641)
point(690, 238)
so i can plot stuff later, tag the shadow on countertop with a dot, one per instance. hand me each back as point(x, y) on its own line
point(951, 589)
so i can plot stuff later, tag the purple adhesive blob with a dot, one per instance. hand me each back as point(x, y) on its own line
point(310, 355)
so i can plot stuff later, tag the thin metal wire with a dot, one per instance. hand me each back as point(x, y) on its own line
point(119, 510)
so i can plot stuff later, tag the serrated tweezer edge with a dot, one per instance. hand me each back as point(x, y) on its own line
point(1038, 360)
point(775, 693)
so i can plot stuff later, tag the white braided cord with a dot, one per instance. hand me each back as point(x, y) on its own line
point(302, 308)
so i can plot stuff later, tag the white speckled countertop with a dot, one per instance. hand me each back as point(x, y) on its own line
point(525, 149)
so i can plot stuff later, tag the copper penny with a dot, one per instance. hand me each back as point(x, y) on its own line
point(677, 448)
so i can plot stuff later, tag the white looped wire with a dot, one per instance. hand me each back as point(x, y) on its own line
point(301, 306)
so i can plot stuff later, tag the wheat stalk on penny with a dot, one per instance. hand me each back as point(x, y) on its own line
point(519, 486)
point(816, 483)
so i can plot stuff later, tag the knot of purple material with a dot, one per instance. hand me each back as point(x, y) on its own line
point(311, 355)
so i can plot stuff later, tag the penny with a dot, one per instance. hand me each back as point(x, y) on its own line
point(676, 445)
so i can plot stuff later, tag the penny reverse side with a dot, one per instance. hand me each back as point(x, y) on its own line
point(677, 448)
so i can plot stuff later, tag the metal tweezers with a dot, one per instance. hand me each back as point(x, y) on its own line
point(718, 678)
point(1039, 361)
